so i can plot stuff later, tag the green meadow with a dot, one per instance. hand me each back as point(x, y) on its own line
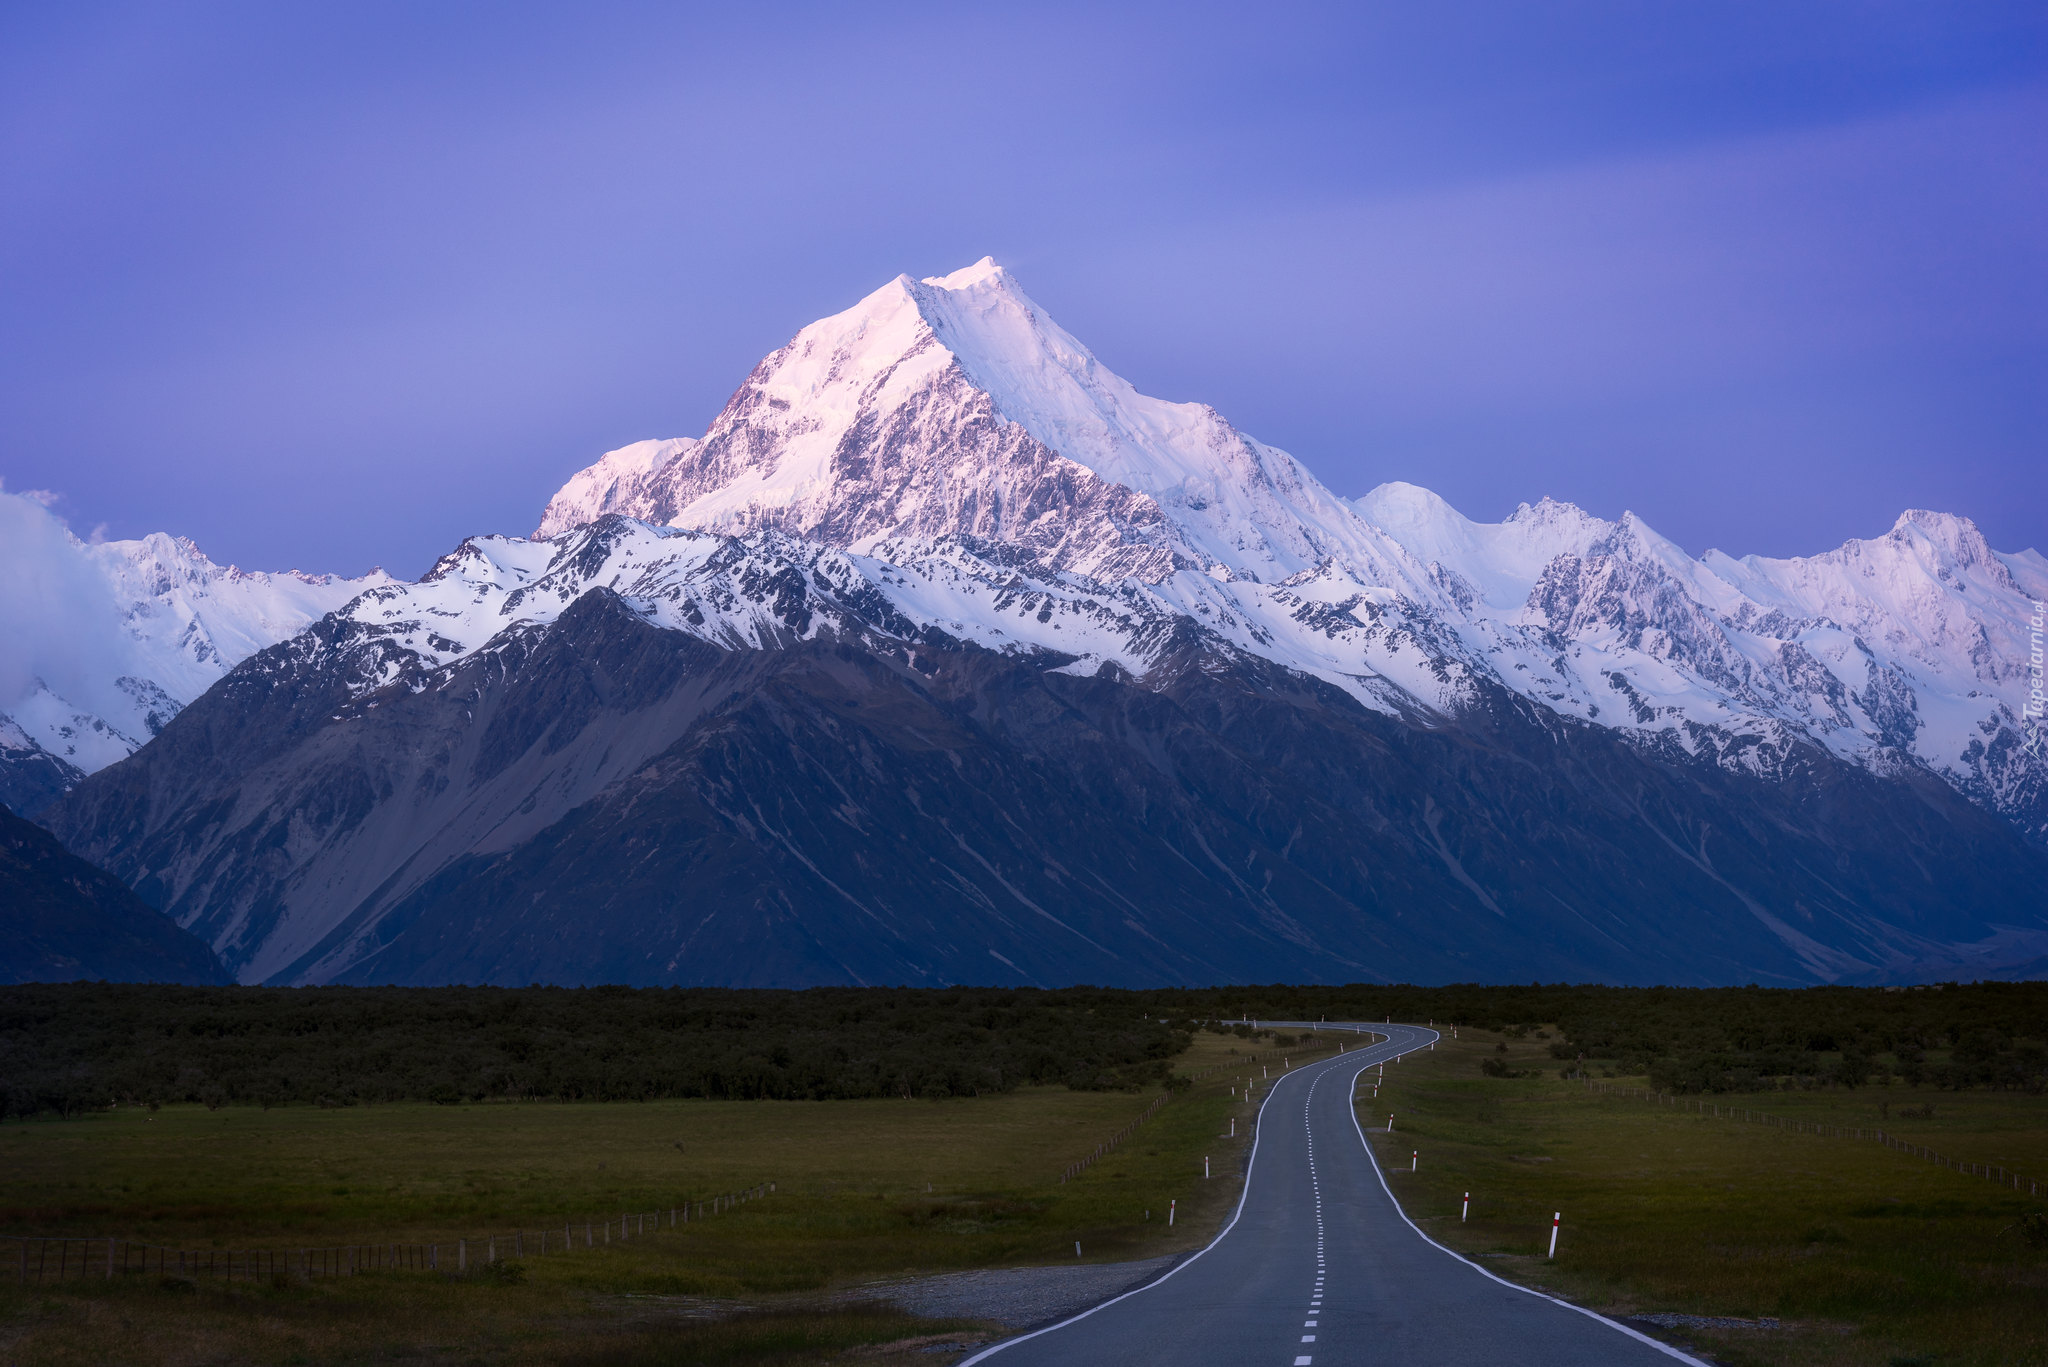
point(1864, 1255)
point(865, 1190)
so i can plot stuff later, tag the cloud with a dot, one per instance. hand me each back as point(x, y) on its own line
point(59, 621)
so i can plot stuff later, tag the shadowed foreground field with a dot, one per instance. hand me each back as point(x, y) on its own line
point(866, 1190)
point(1864, 1255)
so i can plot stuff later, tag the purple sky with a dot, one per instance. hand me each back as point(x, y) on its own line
point(333, 285)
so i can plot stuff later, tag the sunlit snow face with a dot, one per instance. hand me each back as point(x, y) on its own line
point(106, 641)
point(1395, 597)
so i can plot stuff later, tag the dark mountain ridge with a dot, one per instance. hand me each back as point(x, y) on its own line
point(62, 920)
point(602, 800)
point(945, 655)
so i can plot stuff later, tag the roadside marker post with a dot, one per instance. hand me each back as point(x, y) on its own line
point(1554, 1221)
point(1205, 1167)
point(1415, 1160)
point(1465, 1211)
point(1171, 1206)
point(1077, 1248)
point(1390, 1123)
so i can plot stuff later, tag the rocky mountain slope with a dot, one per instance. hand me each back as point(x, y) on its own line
point(62, 920)
point(955, 406)
point(691, 757)
point(946, 656)
point(106, 641)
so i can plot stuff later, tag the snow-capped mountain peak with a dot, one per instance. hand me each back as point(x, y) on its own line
point(955, 405)
point(937, 496)
point(616, 480)
point(107, 641)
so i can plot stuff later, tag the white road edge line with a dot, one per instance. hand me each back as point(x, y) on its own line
point(1661, 1347)
point(1258, 1136)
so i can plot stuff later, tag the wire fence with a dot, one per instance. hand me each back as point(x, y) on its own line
point(56, 1258)
point(1110, 1145)
point(1989, 1172)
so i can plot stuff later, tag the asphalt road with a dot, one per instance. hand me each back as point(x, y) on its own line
point(1319, 1268)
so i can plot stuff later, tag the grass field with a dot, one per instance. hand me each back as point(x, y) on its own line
point(1865, 1255)
point(865, 1190)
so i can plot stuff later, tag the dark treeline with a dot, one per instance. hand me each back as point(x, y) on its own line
point(78, 1046)
point(1715, 1039)
point(73, 1047)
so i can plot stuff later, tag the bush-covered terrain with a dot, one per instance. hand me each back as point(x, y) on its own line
point(80, 1046)
point(1717, 1039)
point(73, 1047)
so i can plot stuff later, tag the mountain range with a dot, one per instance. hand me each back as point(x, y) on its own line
point(62, 920)
point(944, 655)
point(108, 640)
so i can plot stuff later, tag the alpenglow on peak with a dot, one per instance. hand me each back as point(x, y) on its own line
point(954, 407)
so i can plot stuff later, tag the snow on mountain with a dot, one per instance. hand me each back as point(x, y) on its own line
point(954, 405)
point(944, 434)
point(107, 641)
point(1907, 648)
point(621, 479)
point(768, 587)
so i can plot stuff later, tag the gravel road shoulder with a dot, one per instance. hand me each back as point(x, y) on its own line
point(1015, 1297)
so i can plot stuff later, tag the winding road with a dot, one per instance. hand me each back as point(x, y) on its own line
point(1319, 1267)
